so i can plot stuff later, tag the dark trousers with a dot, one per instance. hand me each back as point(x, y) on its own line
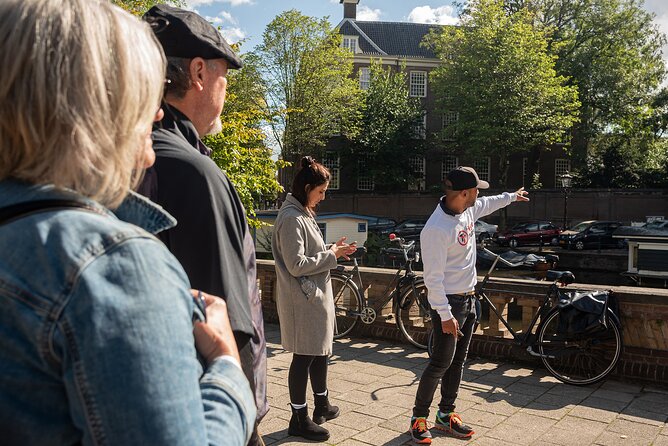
point(301, 368)
point(246, 357)
point(447, 360)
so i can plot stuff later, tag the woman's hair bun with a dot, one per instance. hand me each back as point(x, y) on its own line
point(307, 161)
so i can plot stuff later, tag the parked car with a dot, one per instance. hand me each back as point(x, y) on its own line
point(484, 230)
point(591, 234)
point(529, 233)
point(381, 225)
point(410, 229)
point(656, 224)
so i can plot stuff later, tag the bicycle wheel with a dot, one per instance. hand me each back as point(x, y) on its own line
point(413, 312)
point(347, 304)
point(580, 360)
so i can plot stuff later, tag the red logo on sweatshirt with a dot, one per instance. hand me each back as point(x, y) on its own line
point(463, 238)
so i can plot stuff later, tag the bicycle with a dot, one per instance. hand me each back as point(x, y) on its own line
point(408, 294)
point(578, 359)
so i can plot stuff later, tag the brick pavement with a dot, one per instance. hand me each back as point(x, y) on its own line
point(374, 384)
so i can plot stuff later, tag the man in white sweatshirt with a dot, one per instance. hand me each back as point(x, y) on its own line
point(449, 255)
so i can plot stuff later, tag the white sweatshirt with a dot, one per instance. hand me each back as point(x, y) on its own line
point(448, 250)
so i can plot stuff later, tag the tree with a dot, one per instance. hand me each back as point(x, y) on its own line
point(391, 130)
point(609, 49)
point(241, 149)
point(306, 75)
point(496, 73)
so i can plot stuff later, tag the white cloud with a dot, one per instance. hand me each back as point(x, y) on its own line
point(442, 15)
point(194, 3)
point(233, 35)
point(367, 14)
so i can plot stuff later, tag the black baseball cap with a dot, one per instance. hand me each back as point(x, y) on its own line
point(463, 178)
point(187, 34)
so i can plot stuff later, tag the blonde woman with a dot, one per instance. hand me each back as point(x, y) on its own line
point(304, 297)
point(97, 344)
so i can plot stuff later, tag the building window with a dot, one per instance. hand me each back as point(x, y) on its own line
point(417, 164)
point(364, 180)
point(448, 164)
point(450, 118)
point(561, 166)
point(482, 167)
point(332, 162)
point(525, 164)
point(350, 42)
point(365, 78)
point(420, 130)
point(418, 84)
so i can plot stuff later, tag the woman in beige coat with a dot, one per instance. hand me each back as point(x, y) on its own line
point(304, 297)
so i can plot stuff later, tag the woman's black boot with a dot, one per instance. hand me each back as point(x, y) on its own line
point(324, 411)
point(302, 426)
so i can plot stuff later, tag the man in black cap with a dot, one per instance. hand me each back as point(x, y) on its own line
point(212, 239)
point(449, 256)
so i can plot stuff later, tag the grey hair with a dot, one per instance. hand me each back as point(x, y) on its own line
point(80, 84)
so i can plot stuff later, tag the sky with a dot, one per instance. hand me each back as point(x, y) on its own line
point(247, 19)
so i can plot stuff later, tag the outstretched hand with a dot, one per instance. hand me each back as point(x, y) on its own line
point(522, 195)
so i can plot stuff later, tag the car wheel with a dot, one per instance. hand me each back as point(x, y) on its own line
point(579, 245)
point(513, 243)
point(484, 236)
point(555, 242)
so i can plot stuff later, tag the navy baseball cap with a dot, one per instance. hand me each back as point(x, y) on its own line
point(187, 34)
point(463, 178)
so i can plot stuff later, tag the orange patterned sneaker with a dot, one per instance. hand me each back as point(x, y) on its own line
point(419, 430)
point(453, 425)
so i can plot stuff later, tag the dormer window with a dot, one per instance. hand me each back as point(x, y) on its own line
point(351, 43)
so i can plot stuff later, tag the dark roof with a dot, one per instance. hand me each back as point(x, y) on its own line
point(390, 38)
point(641, 233)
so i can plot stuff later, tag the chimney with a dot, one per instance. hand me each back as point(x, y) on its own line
point(349, 9)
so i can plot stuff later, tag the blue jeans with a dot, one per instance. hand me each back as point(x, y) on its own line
point(447, 360)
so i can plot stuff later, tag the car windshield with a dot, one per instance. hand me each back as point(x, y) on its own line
point(580, 226)
point(656, 224)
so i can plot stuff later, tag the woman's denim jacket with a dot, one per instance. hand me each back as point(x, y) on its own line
point(96, 342)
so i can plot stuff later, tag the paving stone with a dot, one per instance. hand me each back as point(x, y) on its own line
point(379, 435)
point(613, 395)
point(629, 428)
point(651, 403)
point(547, 411)
point(621, 386)
point(383, 411)
point(523, 419)
point(598, 409)
point(661, 440)
point(482, 418)
point(338, 433)
point(578, 426)
point(499, 407)
point(352, 442)
point(515, 434)
point(608, 438)
point(636, 413)
point(566, 437)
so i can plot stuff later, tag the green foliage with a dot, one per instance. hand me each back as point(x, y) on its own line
point(387, 139)
point(240, 149)
point(308, 88)
point(497, 74)
point(610, 49)
point(374, 245)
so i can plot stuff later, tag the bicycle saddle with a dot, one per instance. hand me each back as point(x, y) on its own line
point(564, 277)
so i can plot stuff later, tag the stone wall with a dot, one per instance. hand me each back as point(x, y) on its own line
point(643, 313)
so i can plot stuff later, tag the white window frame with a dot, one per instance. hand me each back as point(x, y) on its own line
point(561, 166)
point(449, 118)
point(449, 163)
point(332, 161)
point(364, 182)
point(420, 130)
point(365, 78)
point(351, 43)
point(483, 168)
point(418, 164)
point(418, 84)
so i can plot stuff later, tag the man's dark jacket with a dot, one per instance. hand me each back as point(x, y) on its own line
point(209, 237)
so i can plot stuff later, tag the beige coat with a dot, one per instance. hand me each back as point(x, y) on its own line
point(307, 323)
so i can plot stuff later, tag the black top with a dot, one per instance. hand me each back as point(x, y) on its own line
point(209, 237)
